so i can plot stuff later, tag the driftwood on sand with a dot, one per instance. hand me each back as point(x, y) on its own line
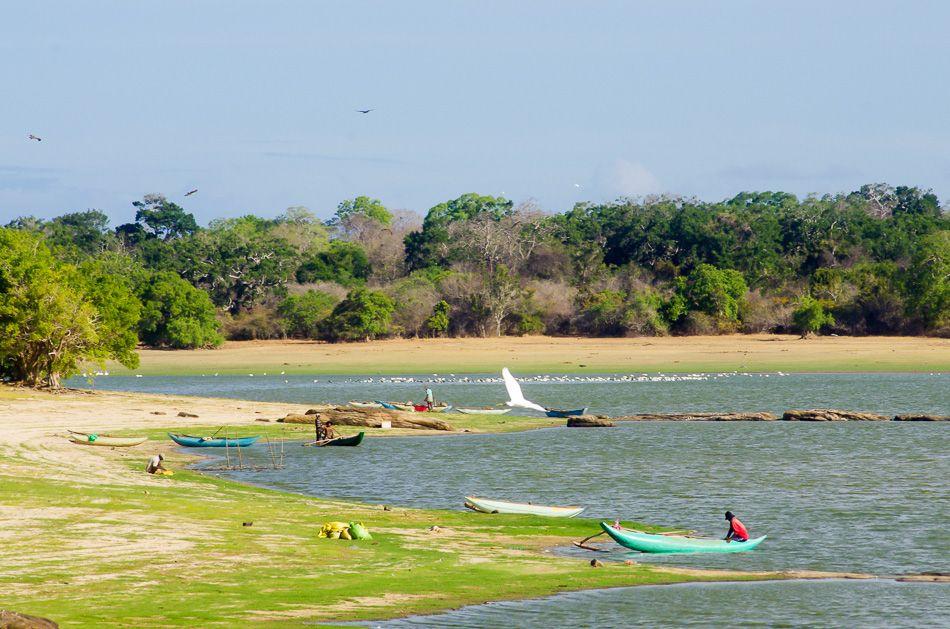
point(370, 418)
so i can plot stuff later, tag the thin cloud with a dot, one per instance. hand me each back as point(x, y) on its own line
point(325, 157)
point(27, 178)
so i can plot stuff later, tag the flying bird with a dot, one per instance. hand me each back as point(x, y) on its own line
point(365, 111)
point(34, 137)
point(191, 192)
point(515, 396)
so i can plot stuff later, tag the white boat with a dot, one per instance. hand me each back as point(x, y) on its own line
point(483, 411)
point(501, 506)
point(359, 404)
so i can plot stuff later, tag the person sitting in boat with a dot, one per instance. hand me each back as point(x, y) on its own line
point(154, 465)
point(737, 530)
point(328, 432)
point(430, 398)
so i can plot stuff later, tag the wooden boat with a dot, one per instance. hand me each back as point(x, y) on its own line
point(487, 410)
point(190, 441)
point(361, 404)
point(390, 406)
point(111, 441)
point(355, 440)
point(501, 506)
point(649, 543)
point(557, 412)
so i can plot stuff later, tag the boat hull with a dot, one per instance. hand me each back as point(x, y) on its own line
point(353, 441)
point(556, 412)
point(190, 441)
point(358, 404)
point(106, 440)
point(486, 505)
point(649, 543)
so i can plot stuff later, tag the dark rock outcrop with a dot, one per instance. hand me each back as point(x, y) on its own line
point(588, 421)
point(699, 417)
point(14, 620)
point(917, 417)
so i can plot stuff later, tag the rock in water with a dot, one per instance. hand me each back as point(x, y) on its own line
point(700, 417)
point(588, 421)
point(831, 415)
point(14, 620)
point(922, 418)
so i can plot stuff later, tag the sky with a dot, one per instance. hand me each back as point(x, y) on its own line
point(254, 103)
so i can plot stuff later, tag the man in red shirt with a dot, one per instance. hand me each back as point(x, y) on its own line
point(737, 530)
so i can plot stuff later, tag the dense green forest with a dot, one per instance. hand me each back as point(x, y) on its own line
point(874, 261)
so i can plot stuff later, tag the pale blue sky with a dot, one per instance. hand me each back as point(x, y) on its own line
point(253, 102)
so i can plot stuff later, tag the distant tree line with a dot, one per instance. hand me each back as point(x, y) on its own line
point(874, 261)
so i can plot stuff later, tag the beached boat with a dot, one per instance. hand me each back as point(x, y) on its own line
point(487, 410)
point(95, 439)
point(649, 543)
point(557, 412)
point(362, 404)
point(501, 506)
point(190, 441)
point(354, 440)
point(392, 407)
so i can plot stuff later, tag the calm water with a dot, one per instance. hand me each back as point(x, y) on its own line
point(787, 604)
point(868, 497)
point(617, 394)
point(858, 497)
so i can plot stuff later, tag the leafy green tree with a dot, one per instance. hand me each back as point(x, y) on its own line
point(86, 232)
point(363, 315)
point(426, 248)
point(928, 281)
point(361, 207)
point(163, 219)
point(343, 262)
point(437, 324)
point(238, 261)
point(54, 317)
point(810, 316)
point(176, 314)
point(304, 314)
point(716, 292)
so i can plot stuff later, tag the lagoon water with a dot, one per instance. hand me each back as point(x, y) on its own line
point(867, 497)
point(611, 394)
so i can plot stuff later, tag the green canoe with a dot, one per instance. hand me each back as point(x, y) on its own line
point(648, 543)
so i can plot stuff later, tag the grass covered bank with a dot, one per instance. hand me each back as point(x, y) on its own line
point(91, 540)
point(758, 352)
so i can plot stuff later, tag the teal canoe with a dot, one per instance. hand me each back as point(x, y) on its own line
point(648, 543)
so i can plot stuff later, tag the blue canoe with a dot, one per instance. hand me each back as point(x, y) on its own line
point(190, 441)
point(557, 412)
point(386, 405)
point(649, 543)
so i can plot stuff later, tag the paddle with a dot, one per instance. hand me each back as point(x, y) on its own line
point(581, 544)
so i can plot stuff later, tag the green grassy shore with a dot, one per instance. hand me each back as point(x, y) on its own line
point(92, 541)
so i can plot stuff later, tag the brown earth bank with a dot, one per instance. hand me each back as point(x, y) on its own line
point(534, 354)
